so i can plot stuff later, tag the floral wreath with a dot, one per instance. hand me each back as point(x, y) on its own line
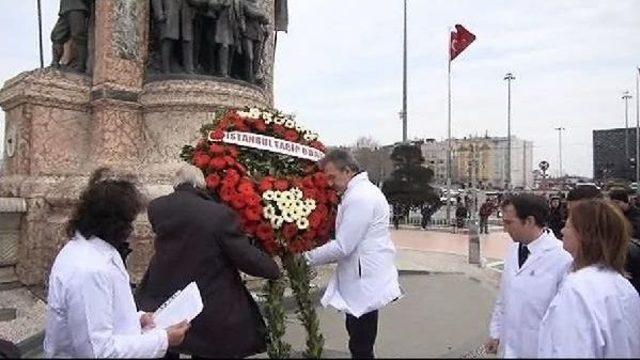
point(281, 196)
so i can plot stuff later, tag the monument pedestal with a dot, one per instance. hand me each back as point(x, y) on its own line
point(61, 126)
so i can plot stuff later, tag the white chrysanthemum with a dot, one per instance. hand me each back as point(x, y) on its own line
point(310, 203)
point(299, 128)
point(244, 114)
point(284, 205)
point(302, 223)
point(269, 211)
point(307, 137)
point(305, 211)
point(276, 222)
point(277, 195)
point(268, 195)
point(254, 113)
point(297, 193)
point(287, 216)
point(279, 120)
point(289, 124)
point(287, 196)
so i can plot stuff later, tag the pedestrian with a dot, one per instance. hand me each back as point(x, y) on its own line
point(556, 217)
point(485, 211)
point(596, 313)
point(90, 308)
point(199, 239)
point(534, 268)
point(461, 215)
point(620, 198)
point(366, 278)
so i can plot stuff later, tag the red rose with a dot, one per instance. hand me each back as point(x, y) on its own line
point(279, 130)
point(322, 209)
point(227, 193)
point(216, 149)
point(307, 182)
point(264, 232)
point(321, 180)
point(240, 125)
point(309, 235)
point(237, 202)
point(216, 135)
point(201, 160)
point(245, 187)
point(241, 168)
point(230, 160)
point(253, 213)
point(218, 163)
point(266, 184)
point(321, 197)
point(231, 178)
point(281, 185)
point(315, 219)
point(290, 135)
point(289, 231)
point(309, 193)
point(233, 151)
point(253, 199)
point(250, 227)
point(260, 125)
point(333, 197)
point(213, 180)
point(323, 230)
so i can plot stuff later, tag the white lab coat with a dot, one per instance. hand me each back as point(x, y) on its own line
point(525, 294)
point(366, 277)
point(596, 314)
point(90, 308)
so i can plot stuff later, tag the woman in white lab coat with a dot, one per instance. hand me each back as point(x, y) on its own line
point(596, 313)
point(90, 307)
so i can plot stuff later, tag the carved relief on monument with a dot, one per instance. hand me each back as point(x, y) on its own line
point(223, 38)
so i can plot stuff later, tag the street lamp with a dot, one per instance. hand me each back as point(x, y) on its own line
point(626, 96)
point(509, 77)
point(404, 79)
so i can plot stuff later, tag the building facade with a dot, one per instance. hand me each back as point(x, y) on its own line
point(610, 159)
point(481, 161)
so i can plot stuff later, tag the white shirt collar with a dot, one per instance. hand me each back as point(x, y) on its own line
point(363, 176)
point(539, 244)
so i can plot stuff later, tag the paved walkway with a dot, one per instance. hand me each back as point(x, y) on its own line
point(493, 245)
point(445, 312)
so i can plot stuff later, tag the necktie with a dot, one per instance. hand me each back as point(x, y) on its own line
point(523, 253)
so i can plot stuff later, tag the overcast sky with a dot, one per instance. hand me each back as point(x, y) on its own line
point(340, 68)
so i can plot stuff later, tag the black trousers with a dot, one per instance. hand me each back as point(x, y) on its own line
point(362, 334)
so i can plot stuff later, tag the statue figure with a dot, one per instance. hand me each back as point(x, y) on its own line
point(176, 25)
point(253, 34)
point(72, 27)
point(226, 32)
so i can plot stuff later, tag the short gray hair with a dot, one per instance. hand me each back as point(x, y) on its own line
point(342, 159)
point(189, 174)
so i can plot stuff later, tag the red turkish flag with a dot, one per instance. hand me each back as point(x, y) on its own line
point(460, 39)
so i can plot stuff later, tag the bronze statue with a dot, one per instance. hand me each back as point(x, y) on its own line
point(176, 25)
point(72, 26)
point(253, 34)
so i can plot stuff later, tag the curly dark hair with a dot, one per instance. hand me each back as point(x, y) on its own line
point(107, 209)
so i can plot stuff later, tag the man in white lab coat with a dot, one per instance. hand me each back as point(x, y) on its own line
point(366, 278)
point(534, 269)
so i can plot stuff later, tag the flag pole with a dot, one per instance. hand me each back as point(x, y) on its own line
point(637, 129)
point(40, 34)
point(449, 136)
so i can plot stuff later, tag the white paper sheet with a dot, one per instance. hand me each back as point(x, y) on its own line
point(185, 304)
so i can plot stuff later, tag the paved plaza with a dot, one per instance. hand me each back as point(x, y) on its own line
point(444, 313)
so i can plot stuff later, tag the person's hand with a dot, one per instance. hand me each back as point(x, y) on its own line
point(491, 346)
point(176, 333)
point(162, 18)
point(146, 321)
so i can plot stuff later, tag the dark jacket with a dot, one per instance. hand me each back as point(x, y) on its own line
point(633, 215)
point(556, 221)
point(73, 5)
point(198, 239)
point(633, 263)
